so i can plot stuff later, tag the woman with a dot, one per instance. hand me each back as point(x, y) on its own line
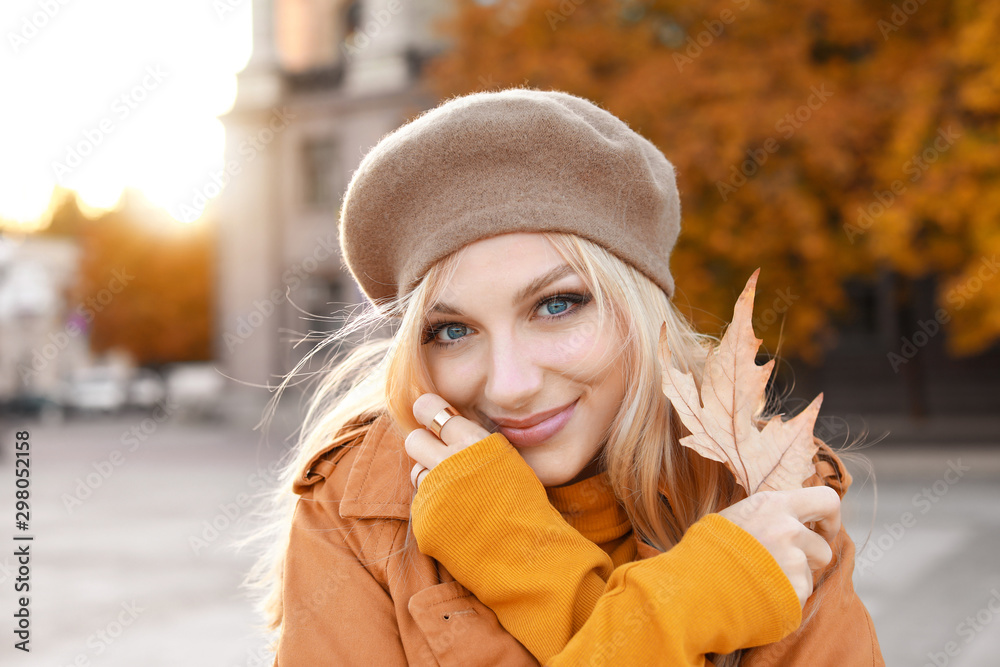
point(519, 242)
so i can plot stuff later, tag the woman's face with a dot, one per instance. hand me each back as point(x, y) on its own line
point(514, 344)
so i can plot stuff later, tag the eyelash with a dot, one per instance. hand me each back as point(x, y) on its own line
point(579, 300)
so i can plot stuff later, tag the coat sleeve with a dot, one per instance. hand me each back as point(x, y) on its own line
point(717, 590)
point(836, 629)
point(334, 612)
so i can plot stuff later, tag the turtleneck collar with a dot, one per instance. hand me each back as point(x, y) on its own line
point(590, 506)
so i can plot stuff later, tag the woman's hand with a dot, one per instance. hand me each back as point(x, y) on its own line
point(777, 519)
point(427, 449)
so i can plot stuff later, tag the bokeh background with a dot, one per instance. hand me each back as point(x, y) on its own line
point(170, 178)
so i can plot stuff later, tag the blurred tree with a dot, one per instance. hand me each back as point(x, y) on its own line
point(146, 280)
point(817, 140)
point(947, 137)
point(67, 218)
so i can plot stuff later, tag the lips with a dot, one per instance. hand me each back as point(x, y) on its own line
point(536, 429)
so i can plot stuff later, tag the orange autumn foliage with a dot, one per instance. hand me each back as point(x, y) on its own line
point(790, 124)
point(160, 308)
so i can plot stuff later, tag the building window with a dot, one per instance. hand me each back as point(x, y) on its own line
point(320, 182)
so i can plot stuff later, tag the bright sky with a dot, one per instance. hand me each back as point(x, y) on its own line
point(98, 95)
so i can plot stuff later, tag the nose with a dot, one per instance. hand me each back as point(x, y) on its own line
point(514, 377)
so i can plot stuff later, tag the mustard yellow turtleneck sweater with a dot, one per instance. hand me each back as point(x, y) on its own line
point(558, 567)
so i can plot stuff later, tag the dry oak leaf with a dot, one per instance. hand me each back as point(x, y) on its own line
point(776, 458)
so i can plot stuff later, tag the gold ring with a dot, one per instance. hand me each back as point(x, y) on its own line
point(441, 418)
point(415, 474)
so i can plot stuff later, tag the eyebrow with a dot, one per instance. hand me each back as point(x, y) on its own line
point(531, 288)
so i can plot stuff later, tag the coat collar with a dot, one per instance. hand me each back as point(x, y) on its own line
point(378, 485)
point(378, 481)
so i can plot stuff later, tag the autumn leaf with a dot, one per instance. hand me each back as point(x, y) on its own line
point(722, 419)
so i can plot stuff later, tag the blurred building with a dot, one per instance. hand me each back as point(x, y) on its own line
point(42, 340)
point(327, 79)
point(885, 362)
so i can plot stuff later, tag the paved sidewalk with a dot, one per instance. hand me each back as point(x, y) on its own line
point(134, 573)
point(126, 569)
point(927, 561)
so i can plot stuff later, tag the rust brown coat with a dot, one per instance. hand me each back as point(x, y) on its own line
point(357, 591)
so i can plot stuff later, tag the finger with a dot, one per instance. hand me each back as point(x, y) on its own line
point(817, 550)
point(417, 473)
point(820, 504)
point(807, 590)
point(458, 432)
point(799, 577)
point(424, 448)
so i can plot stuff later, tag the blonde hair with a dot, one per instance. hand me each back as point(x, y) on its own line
point(664, 487)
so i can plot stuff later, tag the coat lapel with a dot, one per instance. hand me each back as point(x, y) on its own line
point(378, 485)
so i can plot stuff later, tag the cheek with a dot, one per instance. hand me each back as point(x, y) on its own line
point(454, 379)
point(574, 346)
point(583, 351)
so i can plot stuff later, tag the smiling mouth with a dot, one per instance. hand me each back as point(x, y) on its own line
point(536, 434)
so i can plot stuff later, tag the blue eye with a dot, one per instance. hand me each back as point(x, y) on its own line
point(454, 331)
point(555, 307)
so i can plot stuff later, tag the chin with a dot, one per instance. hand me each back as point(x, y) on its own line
point(554, 480)
point(549, 470)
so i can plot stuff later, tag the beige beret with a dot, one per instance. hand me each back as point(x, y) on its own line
point(517, 160)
